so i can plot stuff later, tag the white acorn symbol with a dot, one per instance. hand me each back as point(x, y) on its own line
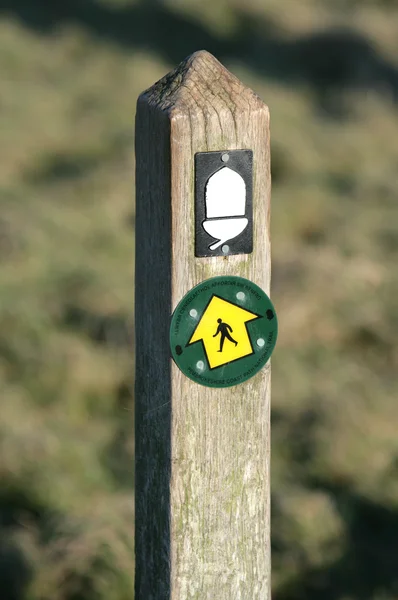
point(225, 197)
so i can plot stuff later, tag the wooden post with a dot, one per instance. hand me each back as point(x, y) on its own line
point(202, 454)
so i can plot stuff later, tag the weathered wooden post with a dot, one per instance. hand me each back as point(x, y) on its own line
point(202, 420)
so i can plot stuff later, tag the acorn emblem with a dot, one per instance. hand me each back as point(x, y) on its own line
point(225, 197)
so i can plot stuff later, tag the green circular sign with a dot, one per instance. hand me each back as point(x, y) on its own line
point(223, 331)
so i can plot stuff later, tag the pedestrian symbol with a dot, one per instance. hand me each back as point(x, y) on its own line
point(223, 331)
point(218, 351)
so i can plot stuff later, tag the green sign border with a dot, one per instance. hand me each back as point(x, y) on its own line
point(183, 325)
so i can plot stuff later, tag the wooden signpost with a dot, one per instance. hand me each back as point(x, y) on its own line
point(202, 476)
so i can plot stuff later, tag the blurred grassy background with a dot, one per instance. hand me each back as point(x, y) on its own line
point(71, 73)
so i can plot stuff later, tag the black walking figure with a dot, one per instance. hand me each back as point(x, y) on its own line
point(223, 329)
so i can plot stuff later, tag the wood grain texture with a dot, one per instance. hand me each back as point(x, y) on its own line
point(202, 470)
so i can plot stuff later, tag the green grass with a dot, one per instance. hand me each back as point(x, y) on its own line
point(66, 295)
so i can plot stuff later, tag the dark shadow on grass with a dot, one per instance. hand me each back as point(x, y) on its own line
point(29, 524)
point(119, 459)
point(19, 508)
point(300, 431)
point(328, 61)
point(112, 330)
point(62, 168)
point(118, 456)
point(15, 571)
point(369, 566)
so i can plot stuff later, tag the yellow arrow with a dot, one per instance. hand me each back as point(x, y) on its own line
point(222, 328)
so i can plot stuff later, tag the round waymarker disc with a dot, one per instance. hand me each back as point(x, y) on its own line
point(223, 331)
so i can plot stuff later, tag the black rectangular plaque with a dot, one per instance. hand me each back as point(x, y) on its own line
point(223, 203)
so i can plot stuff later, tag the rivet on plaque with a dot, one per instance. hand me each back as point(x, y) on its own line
point(232, 336)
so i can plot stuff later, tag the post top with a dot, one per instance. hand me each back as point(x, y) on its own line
point(198, 81)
